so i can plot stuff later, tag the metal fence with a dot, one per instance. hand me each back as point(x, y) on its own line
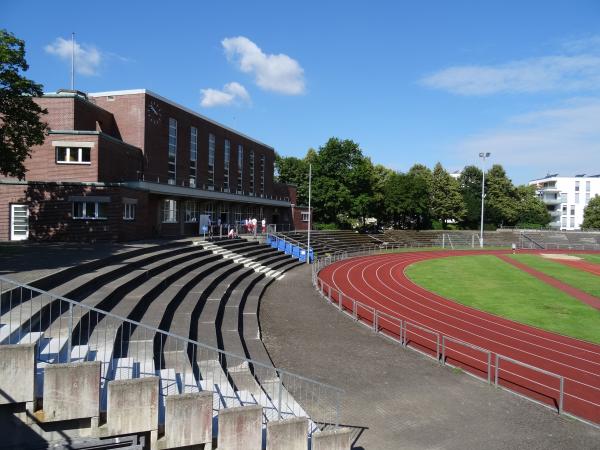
point(513, 375)
point(69, 331)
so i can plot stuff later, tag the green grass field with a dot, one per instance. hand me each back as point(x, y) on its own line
point(486, 282)
point(591, 258)
point(585, 281)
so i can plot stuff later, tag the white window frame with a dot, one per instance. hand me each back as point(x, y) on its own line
point(172, 151)
point(226, 161)
point(168, 211)
point(305, 216)
point(240, 159)
point(128, 211)
point(212, 143)
point(69, 151)
point(193, 155)
point(252, 180)
point(192, 212)
point(16, 235)
point(87, 215)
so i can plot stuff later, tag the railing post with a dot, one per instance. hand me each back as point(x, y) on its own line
point(354, 312)
point(279, 394)
point(561, 395)
point(489, 371)
point(340, 300)
point(375, 326)
point(330, 293)
point(69, 336)
point(443, 350)
point(497, 369)
point(437, 348)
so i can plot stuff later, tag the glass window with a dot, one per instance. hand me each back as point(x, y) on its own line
point(172, 151)
point(577, 186)
point(563, 197)
point(211, 160)
point(564, 209)
point(572, 210)
point(564, 222)
point(169, 211)
point(226, 158)
point(251, 168)
point(576, 197)
point(587, 197)
point(73, 155)
point(587, 186)
point(305, 216)
point(572, 222)
point(128, 211)
point(193, 155)
point(240, 165)
point(191, 211)
point(262, 174)
point(89, 210)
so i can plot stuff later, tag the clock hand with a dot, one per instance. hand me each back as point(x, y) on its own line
point(153, 109)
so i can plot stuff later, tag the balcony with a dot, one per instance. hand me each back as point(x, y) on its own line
point(551, 200)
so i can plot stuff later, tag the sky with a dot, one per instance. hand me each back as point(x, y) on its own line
point(411, 82)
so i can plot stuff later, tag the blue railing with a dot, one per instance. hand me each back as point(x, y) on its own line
point(296, 249)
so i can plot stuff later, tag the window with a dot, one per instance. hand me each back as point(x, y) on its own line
point(576, 197)
point(564, 209)
point(73, 155)
point(305, 216)
point(588, 186)
point(240, 165)
point(226, 158)
point(251, 171)
point(193, 155)
point(169, 211)
point(89, 210)
point(211, 161)
point(172, 151)
point(262, 174)
point(572, 210)
point(587, 197)
point(128, 211)
point(572, 222)
point(563, 197)
point(563, 222)
point(191, 211)
point(577, 186)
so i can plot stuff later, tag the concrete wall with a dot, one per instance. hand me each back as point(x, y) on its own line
point(240, 428)
point(17, 373)
point(188, 419)
point(289, 434)
point(339, 439)
point(71, 391)
point(132, 405)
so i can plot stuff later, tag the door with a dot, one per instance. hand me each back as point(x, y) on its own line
point(19, 222)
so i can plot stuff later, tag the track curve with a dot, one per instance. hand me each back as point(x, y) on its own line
point(380, 282)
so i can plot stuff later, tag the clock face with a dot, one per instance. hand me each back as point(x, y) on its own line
point(154, 114)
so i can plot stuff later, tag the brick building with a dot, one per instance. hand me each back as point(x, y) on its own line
point(132, 165)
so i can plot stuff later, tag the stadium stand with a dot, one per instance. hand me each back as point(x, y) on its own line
point(208, 292)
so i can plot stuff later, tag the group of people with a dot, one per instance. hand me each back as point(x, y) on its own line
point(251, 226)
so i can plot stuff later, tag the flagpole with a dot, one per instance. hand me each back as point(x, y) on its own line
point(73, 61)
point(309, 213)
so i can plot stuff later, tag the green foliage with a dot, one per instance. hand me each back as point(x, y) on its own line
point(470, 188)
point(291, 170)
point(531, 210)
point(500, 204)
point(446, 200)
point(20, 125)
point(591, 214)
point(406, 201)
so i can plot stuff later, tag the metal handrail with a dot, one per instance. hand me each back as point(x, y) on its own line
point(320, 263)
point(318, 386)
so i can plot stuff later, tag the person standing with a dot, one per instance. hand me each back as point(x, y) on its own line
point(254, 223)
point(264, 225)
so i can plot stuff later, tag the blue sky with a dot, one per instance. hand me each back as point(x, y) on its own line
point(410, 81)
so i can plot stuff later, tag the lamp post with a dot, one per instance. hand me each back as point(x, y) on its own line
point(309, 214)
point(483, 156)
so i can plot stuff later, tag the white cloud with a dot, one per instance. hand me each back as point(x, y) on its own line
point(564, 139)
point(232, 94)
point(87, 57)
point(575, 68)
point(278, 73)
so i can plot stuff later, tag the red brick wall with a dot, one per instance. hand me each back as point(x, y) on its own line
point(118, 162)
point(129, 114)
point(43, 166)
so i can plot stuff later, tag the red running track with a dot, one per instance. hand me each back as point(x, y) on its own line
point(380, 283)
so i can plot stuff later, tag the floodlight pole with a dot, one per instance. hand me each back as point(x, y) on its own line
point(72, 61)
point(483, 156)
point(309, 213)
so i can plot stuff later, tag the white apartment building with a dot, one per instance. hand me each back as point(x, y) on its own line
point(567, 197)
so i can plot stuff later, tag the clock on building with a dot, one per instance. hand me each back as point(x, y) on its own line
point(154, 114)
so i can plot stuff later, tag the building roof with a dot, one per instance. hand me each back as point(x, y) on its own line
point(176, 105)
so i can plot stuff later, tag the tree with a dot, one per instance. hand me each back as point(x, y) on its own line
point(531, 211)
point(420, 185)
point(20, 125)
point(591, 214)
point(500, 198)
point(406, 200)
point(470, 189)
point(446, 200)
point(293, 170)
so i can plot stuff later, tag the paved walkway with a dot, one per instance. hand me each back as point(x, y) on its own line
point(566, 288)
point(397, 398)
